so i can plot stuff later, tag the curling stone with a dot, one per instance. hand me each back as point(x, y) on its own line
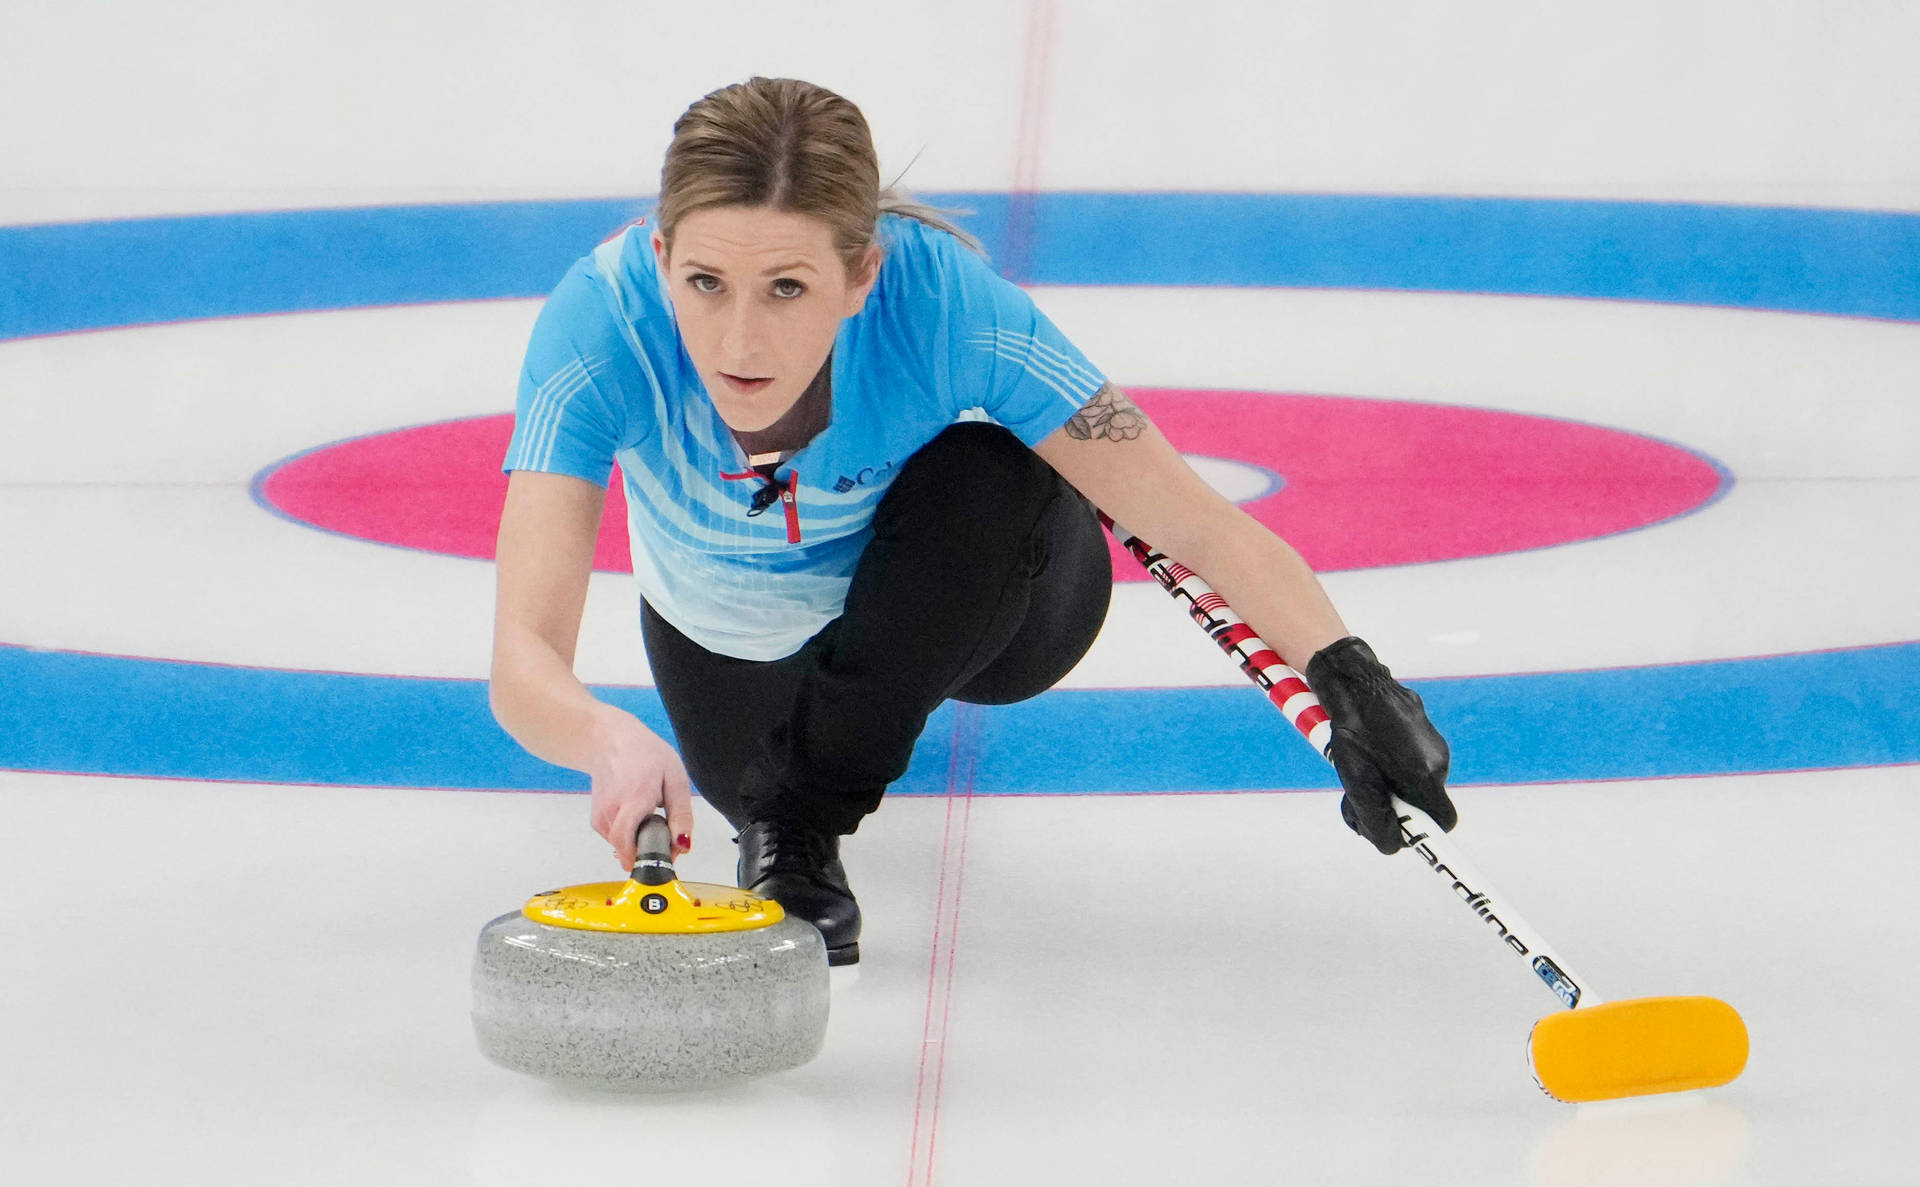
point(649, 984)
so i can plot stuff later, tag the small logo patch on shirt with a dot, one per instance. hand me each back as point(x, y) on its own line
point(866, 475)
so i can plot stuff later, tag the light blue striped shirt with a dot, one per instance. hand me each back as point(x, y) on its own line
point(941, 338)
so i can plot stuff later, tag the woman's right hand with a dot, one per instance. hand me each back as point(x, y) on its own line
point(635, 773)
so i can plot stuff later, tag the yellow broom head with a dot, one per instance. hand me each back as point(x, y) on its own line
point(1638, 1047)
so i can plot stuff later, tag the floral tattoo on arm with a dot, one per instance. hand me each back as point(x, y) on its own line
point(1108, 414)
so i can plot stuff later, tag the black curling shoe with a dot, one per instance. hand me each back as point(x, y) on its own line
point(799, 867)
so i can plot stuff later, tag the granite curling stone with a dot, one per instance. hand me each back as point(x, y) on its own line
point(650, 984)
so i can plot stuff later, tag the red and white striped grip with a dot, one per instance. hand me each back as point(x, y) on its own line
point(1262, 665)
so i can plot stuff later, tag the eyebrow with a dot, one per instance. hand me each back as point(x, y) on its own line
point(792, 267)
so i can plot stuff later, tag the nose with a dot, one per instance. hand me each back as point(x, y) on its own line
point(743, 337)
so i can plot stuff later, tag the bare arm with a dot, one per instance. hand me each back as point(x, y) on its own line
point(1115, 456)
point(545, 557)
point(545, 551)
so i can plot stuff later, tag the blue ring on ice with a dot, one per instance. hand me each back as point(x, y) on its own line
point(71, 712)
point(57, 278)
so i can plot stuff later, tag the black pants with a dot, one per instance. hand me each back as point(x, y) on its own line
point(986, 580)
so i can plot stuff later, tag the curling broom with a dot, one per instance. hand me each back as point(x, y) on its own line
point(1594, 1049)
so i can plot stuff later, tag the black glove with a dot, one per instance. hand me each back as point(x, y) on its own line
point(1383, 744)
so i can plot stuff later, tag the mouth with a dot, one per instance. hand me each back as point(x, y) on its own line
point(745, 386)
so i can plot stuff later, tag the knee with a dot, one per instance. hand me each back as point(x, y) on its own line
point(975, 468)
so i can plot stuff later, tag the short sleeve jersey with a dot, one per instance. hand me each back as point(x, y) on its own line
point(941, 338)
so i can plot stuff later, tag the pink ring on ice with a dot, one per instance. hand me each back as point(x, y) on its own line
point(1367, 482)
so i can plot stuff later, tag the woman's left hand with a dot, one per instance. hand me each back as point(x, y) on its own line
point(1383, 744)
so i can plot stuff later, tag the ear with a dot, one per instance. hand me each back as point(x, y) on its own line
point(867, 274)
point(659, 251)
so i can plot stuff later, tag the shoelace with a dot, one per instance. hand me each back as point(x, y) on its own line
point(793, 848)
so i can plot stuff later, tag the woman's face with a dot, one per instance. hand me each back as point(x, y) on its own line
point(759, 295)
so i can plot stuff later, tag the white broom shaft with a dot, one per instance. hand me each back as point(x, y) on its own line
point(1445, 857)
point(1287, 691)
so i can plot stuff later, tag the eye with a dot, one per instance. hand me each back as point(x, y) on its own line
point(697, 277)
point(797, 289)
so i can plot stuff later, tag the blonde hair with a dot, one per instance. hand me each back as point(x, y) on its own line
point(792, 146)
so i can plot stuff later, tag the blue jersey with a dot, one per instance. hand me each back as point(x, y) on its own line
point(941, 338)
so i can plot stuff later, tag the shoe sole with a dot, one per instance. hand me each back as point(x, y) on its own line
point(844, 954)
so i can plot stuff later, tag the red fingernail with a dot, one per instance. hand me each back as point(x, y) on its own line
point(685, 842)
